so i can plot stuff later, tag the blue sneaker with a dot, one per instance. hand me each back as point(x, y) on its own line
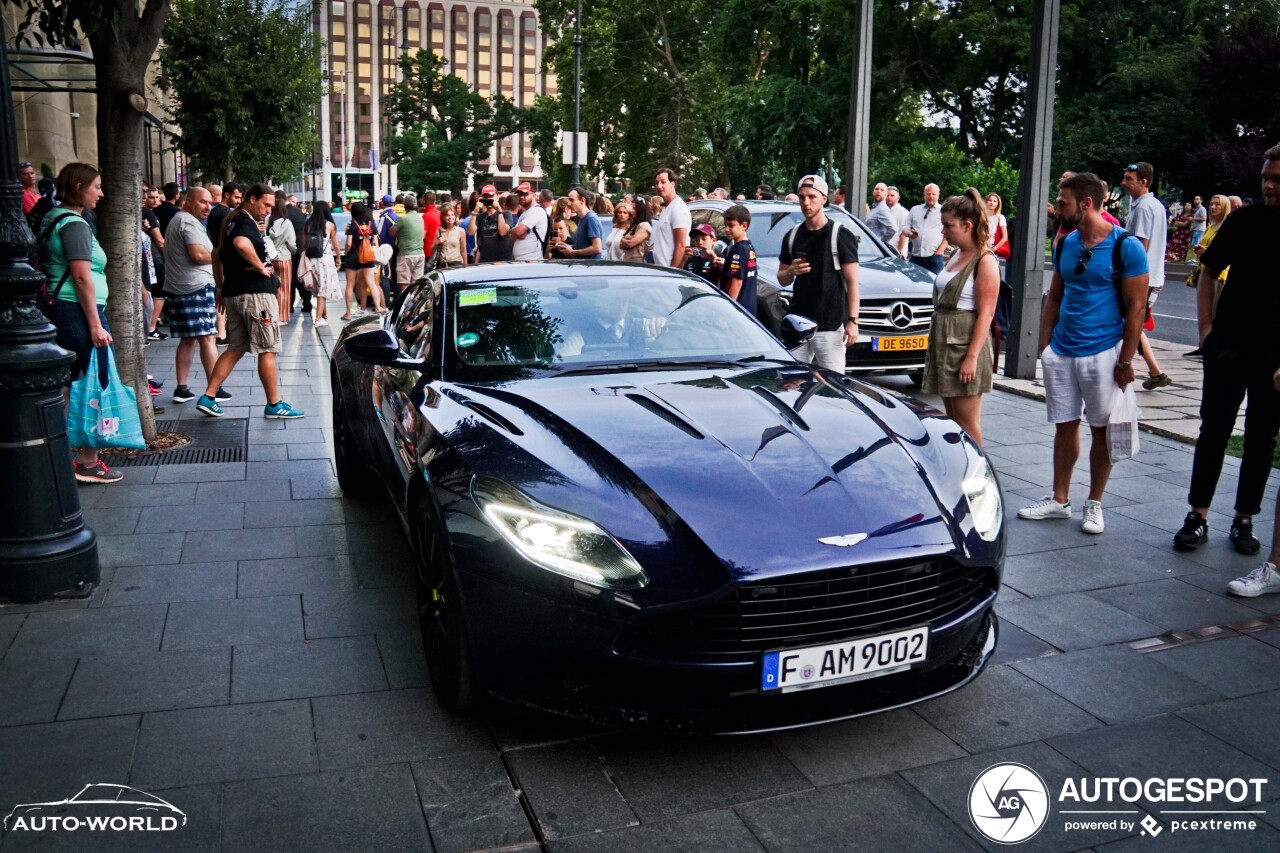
point(283, 411)
point(209, 406)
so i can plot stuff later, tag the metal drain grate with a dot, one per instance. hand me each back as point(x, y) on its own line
point(223, 440)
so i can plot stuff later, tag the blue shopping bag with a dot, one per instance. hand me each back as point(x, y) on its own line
point(103, 410)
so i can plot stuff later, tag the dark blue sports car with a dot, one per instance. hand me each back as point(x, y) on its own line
point(628, 503)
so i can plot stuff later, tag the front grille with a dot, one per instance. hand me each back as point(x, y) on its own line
point(813, 608)
point(877, 315)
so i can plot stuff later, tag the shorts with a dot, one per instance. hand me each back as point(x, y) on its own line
point(252, 322)
point(73, 333)
point(157, 283)
point(410, 268)
point(349, 262)
point(1075, 383)
point(824, 349)
point(192, 315)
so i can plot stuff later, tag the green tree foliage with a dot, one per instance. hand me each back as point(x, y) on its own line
point(245, 75)
point(446, 128)
point(122, 35)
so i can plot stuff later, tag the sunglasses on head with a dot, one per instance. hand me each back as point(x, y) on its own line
point(25, 164)
point(1085, 257)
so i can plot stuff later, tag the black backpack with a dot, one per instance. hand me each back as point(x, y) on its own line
point(44, 297)
point(1117, 268)
point(315, 241)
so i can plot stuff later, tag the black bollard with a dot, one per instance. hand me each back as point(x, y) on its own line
point(46, 551)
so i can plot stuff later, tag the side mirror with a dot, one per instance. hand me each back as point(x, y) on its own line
point(378, 346)
point(796, 330)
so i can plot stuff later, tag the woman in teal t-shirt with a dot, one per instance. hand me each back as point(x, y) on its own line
point(75, 269)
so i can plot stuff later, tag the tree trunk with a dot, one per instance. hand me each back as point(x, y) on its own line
point(120, 62)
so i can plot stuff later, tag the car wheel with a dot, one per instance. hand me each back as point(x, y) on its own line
point(356, 481)
point(443, 639)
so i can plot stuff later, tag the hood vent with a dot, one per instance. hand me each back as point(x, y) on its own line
point(790, 414)
point(490, 415)
point(667, 415)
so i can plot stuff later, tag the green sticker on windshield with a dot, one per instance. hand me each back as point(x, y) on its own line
point(468, 339)
point(482, 296)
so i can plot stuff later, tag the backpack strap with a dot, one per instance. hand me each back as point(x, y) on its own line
point(835, 250)
point(42, 240)
point(790, 239)
point(1117, 266)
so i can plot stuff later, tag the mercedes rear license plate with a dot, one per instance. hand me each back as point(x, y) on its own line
point(838, 663)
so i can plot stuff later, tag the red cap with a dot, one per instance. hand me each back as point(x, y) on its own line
point(525, 187)
point(488, 189)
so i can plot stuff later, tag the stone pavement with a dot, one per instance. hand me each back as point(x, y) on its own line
point(252, 657)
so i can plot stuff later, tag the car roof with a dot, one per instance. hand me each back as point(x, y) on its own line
point(525, 270)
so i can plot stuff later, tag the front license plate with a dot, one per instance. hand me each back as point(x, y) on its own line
point(837, 663)
point(900, 343)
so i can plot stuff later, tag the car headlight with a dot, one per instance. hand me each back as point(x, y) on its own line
point(983, 494)
point(558, 541)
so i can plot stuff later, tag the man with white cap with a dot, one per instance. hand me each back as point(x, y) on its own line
point(821, 258)
point(533, 229)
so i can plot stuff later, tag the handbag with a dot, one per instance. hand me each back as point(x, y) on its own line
point(365, 253)
point(103, 410)
point(1004, 251)
point(1122, 425)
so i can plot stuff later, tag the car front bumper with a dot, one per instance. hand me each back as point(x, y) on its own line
point(559, 658)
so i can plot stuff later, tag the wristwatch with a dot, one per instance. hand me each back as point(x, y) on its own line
point(1125, 365)
point(853, 320)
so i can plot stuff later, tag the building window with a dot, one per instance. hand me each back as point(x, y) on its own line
point(363, 31)
point(338, 48)
point(362, 50)
point(337, 9)
point(338, 29)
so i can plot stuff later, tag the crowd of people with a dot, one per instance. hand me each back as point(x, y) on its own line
point(227, 266)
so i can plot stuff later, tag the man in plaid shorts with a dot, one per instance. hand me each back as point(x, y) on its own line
point(188, 286)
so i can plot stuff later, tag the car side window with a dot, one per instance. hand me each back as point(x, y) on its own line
point(714, 218)
point(414, 319)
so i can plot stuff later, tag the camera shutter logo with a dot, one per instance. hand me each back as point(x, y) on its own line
point(1008, 803)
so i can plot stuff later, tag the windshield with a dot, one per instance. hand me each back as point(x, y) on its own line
point(512, 329)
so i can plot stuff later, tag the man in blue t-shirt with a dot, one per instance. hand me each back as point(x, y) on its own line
point(1089, 331)
point(739, 273)
point(588, 240)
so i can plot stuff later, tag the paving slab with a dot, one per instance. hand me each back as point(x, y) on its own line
point(258, 544)
point(1176, 606)
point(867, 746)
point(403, 658)
point(31, 690)
point(713, 773)
point(1237, 666)
point(114, 631)
point(1247, 723)
point(296, 513)
point(1094, 567)
point(142, 549)
point(1076, 621)
point(882, 813)
point(131, 493)
point(311, 668)
point(389, 727)
point(178, 519)
point(155, 681)
point(365, 611)
point(470, 804)
point(720, 831)
point(1016, 644)
point(243, 491)
point(372, 808)
point(222, 744)
point(53, 761)
point(1116, 684)
point(295, 576)
point(112, 521)
point(160, 584)
point(10, 623)
point(569, 790)
point(1003, 708)
point(233, 622)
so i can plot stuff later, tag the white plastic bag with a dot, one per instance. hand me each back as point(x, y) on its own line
point(1122, 426)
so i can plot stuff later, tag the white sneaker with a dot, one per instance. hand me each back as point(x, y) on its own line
point(1092, 517)
point(1046, 508)
point(322, 322)
point(1260, 581)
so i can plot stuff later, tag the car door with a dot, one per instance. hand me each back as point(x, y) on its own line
point(397, 392)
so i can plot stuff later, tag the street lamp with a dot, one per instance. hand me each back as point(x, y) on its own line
point(46, 551)
point(577, 88)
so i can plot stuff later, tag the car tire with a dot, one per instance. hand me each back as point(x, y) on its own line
point(444, 640)
point(355, 480)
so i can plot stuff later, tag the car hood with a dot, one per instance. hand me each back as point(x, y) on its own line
point(760, 465)
point(883, 278)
